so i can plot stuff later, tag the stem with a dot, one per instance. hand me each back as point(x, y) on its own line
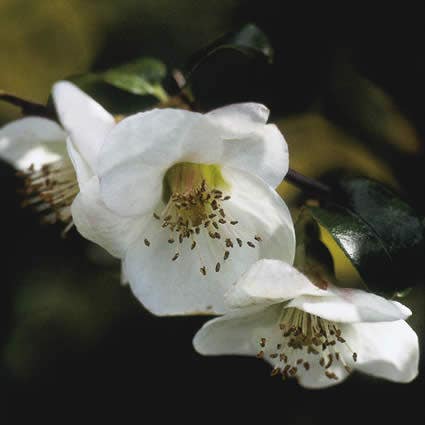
point(308, 184)
point(28, 107)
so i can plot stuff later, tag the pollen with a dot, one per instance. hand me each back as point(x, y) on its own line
point(303, 341)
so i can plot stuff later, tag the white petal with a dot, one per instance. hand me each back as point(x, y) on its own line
point(352, 305)
point(249, 144)
point(315, 378)
point(237, 332)
point(388, 350)
point(83, 118)
point(96, 223)
point(270, 282)
point(177, 287)
point(32, 141)
point(82, 169)
point(238, 116)
point(140, 150)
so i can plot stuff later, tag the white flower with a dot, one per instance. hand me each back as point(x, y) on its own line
point(186, 200)
point(316, 335)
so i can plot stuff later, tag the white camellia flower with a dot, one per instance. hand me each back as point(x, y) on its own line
point(316, 335)
point(187, 201)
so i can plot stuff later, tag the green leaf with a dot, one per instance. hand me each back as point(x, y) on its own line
point(248, 40)
point(114, 100)
point(381, 235)
point(141, 77)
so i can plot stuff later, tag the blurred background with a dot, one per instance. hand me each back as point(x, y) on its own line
point(346, 89)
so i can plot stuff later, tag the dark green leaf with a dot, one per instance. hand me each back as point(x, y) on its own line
point(381, 234)
point(141, 77)
point(248, 40)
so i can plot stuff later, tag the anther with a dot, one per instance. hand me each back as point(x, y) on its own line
point(176, 255)
point(217, 267)
point(249, 243)
point(239, 241)
point(147, 243)
point(226, 255)
point(257, 238)
point(193, 245)
point(233, 222)
point(203, 270)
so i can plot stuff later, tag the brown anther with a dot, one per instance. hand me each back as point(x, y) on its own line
point(239, 241)
point(171, 240)
point(273, 355)
point(306, 365)
point(176, 255)
point(203, 270)
point(283, 357)
point(197, 230)
point(331, 375)
point(222, 221)
point(293, 371)
point(226, 255)
point(147, 243)
point(212, 235)
point(322, 361)
point(217, 267)
point(233, 222)
point(355, 357)
point(226, 198)
point(263, 342)
point(348, 368)
point(260, 354)
point(156, 216)
point(215, 224)
point(212, 215)
point(207, 223)
point(278, 346)
point(275, 371)
point(229, 243)
point(250, 244)
point(193, 245)
point(299, 361)
point(181, 238)
point(221, 211)
point(217, 235)
point(167, 218)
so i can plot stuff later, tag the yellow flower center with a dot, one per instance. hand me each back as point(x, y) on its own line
point(194, 196)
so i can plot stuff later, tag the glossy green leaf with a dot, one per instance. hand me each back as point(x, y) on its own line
point(141, 77)
point(114, 100)
point(381, 235)
point(248, 40)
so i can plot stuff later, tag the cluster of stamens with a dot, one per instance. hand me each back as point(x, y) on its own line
point(50, 191)
point(188, 214)
point(305, 334)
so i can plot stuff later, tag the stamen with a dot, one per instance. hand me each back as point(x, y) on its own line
point(303, 337)
point(50, 191)
point(191, 210)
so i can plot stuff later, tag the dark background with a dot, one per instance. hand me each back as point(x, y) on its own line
point(346, 89)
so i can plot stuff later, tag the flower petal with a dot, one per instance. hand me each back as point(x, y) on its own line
point(96, 223)
point(83, 118)
point(82, 169)
point(32, 141)
point(249, 144)
point(316, 378)
point(140, 150)
point(351, 305)
point(169, 287)
point(388, 350)
point(270, 282)
point(238, 332)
